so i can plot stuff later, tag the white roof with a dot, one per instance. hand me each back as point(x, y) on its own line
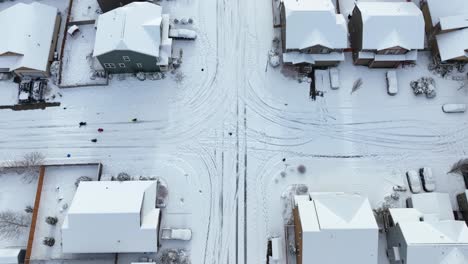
point(433, 205)
point(391, 24)
point(439, 9)
point(9, 255)
point(135, 27)
point(296, 57)
point(112, 216)
point(311, 23)
point(453, 44)
point(331, 223)
point(27, 32)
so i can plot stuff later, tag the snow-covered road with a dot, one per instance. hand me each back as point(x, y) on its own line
point(229, 138)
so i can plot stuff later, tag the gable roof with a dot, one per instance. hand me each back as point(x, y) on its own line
point(439, 9)
point(114, 197)
point(453, 44)
point(312, 23)
point(433, 206)
point(391, 24)
point(27, 44)
point(135, 27)
point(331, 222)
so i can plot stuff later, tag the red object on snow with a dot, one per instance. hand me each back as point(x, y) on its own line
point(100, 130)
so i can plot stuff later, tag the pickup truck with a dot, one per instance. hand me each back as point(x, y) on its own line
point(176, 234)
point(182, 34)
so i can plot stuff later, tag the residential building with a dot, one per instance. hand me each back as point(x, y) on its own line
point(108, 5)
point(385, 34)
point(112, 217)
point(29, 38)
point(462, 200)
point(133, 38)
point(328, 226)
point(12, 255)
point(447, 28)
point(427, 232)
point(312, 33)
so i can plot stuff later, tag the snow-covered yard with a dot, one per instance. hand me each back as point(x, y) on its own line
point(230, 137)
point(57, 194)
point(11, 181)
point(78, 61)
point(84, 10)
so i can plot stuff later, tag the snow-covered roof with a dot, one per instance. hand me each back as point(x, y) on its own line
point(135, 27)
point(9, 255)
point(439, 9)
point(27, 32)
point(331, 223)
point(453, 44)
point(433, 206)
point(454, 22)
point(311, 23)
point(391, 24)
point(296, 57)
point(112, 216)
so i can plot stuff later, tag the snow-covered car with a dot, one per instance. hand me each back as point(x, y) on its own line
point(392, 83)
point(334, 78)
point(414, 182)
point(23, 96)
point(454, 108)
point(427, 179)
point(182, 34)
point(73, 30)
point(176, 234)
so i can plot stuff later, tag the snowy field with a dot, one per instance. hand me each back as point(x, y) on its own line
point(10, 182)
point(219, 137)
point(57, 191)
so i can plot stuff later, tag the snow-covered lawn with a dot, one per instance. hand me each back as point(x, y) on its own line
point(16, 192)
point(84, 10)
point(78, 62)
point(57, 191)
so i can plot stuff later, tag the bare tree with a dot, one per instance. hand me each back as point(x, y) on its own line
point(460, 167)
point(12, 224)
point(28, 165)
point(356, 85)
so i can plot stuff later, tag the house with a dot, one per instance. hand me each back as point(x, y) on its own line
point(312, 33)
point(447, 28)
point(29, 38)
point(112, 217)
point(426, 233)
point(133, 38)
point(327, 226)
point(462, 200)
point(12, 255)
point(385, 34)
point(108, 5)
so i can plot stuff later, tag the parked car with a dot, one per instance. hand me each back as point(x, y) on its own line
point(176, 234)
point(334, 78)
point(427, 179)
point(454, 108)
point(414, 182)
point(73, 30)
point(392, 83)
